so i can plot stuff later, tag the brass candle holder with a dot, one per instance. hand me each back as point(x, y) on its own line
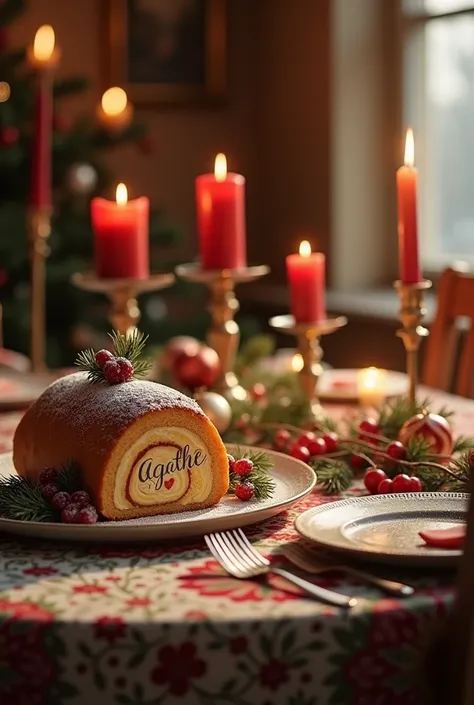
point(308, 335)
point(224, 333)
point(412, 312)
point(124, 312)
point(39, 232)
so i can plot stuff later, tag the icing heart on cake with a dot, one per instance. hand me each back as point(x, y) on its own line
point(169, 483)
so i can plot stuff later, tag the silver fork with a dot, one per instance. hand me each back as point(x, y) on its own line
point(238, 557)
point(308, 561)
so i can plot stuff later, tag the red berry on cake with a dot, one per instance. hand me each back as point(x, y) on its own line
point(81, 498)
point(48, 475)
point(87, 515)
point(69, 513)
point(118, 370)
point(49, 490)
point(61, 500)
point(243, 467)
point(231, 460)
point(244, 491)
point(103, 356)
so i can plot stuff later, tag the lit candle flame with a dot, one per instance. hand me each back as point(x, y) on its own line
point(43, 46)
point(121, 195)
point(305, 249)
point(114, 101)
point(297, 362)
point(370, 378)
point(220, 167)
point(410, 149)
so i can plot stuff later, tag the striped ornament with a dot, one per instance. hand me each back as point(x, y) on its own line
point(433, 427)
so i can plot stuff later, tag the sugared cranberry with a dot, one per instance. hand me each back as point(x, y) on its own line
point(69, 514)
point(126, 368)
point(49, 490)
point(231, 461)
point(48, 475)
point(332, 441)
point(61, 500)
point(244, 491)
point(87, 515)
point(385, 487)
point(373, 478)
point(396, 450)
point(281, 439)
point(300, 452)
point(103, 356)
point(81, 498)
point(243, 467)
point(118, 370)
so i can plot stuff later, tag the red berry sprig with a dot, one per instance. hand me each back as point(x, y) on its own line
point(248, 477)
point(377, 482)
point(76, 508)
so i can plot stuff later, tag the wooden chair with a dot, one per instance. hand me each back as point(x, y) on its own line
point(449, 357)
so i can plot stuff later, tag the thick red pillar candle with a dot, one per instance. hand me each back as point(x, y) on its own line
point(220, 204)
point(407, 191)
point(121, 244)
point(306, 277)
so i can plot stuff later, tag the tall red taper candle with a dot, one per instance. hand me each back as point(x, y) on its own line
point(43, 59)
point(306, 277)
point(220, 204)
point(407, 190)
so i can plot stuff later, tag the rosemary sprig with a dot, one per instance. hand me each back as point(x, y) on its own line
point(130, 346)
point(23, 501)
point(262, 464)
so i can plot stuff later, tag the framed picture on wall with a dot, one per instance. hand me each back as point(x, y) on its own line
point(166, 51)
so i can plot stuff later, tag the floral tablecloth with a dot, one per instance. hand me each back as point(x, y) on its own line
point(162, 624)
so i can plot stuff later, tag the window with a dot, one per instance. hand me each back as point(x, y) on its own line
point(439, 104)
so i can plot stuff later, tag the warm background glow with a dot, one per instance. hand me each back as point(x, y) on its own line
point(297, 362)
point(121, 194)
point(410, 148)
point(114, 101)
point(43, 46)
point(4, 91)
point(305, 249)
point(220, 167)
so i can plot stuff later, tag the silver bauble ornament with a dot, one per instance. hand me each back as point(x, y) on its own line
point(82, 179)
point(217, 409)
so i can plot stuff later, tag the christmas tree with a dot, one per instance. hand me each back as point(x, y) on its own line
point(79, 173)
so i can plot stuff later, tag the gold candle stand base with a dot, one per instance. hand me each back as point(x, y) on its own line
point(124, 312)
point(223, 335)
point(39, 232)
point(308, 335)
point(412, 312)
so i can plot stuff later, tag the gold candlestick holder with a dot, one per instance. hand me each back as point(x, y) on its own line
point(124, 312)
point(224, 333)
point(39, 232)
point(308, 335)
point(412, 312)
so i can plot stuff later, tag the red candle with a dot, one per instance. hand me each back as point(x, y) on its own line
point(121, 236)
point(407, 188)
point(306, 277)
point(220, 203)
point(43, 59)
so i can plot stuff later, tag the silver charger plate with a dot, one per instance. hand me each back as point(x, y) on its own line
point(385, 528)
point(293, 480)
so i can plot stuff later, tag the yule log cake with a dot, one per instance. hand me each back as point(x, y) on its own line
point(142, 448)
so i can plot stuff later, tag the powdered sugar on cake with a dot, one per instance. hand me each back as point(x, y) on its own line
point(108, 406)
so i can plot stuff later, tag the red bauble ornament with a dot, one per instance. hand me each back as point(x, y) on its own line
point(433, 427)
point(198, 370)
point(176, 348)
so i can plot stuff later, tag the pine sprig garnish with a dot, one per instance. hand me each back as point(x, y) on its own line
point(130, 347)
point(23, 501)
point(333, 476)
point(262, 464)
point(463, 444)
point(69, 478)
point(418, 449)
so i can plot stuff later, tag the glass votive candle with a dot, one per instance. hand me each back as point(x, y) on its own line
point(371, 386)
